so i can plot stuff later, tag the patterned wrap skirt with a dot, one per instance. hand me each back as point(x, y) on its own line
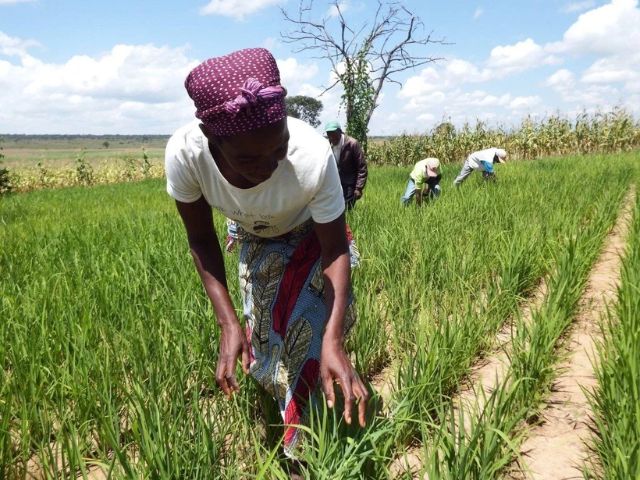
point(282, 289)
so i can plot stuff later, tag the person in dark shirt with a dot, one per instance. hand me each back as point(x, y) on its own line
point(352, 165)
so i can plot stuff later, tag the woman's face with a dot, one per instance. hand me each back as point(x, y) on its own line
point(255, 155)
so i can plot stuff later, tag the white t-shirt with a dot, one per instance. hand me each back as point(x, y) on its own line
point(304, 185)
point(337, 149)
point(486, 155)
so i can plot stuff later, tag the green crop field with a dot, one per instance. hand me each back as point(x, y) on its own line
point(108, 343)
point(617, 400)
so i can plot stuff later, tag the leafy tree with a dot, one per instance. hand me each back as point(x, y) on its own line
point(305, 108)
point(363, 57)
point(105, 144)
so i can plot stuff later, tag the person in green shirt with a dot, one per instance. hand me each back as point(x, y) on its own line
point(424, 181)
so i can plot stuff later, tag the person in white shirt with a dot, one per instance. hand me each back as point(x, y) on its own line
point(276, 178)
point(483, 161)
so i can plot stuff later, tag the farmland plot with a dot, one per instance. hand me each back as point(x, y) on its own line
point(108, 343)
point(616, 401)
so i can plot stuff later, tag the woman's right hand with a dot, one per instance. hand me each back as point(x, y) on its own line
point(233, 345)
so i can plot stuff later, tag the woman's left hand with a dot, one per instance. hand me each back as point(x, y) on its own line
point(335, 366)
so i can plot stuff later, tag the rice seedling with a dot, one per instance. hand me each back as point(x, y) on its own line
point(616, 401)
point(485, 444)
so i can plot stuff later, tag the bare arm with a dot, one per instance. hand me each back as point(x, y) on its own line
point(334, 361)
point(336, 268)
point(207, 257)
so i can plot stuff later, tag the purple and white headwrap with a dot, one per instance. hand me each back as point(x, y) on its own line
point(238, 92)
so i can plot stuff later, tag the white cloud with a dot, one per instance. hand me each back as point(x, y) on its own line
point(237, 9)
point(443, 76)
point(581, 94)
point(561, 79)
point(438, 92)
point(525, 103)
point(293, 73)
point(138, 88)
point(421, 84)
point(333, 10)
point(520, 56)
point(610, 33)
point(137, 72)
point(421, 102)
point(610, 29)
point(581, 6)
point(307, 90)
point(595, 96)
point(299, 79)
point(426, 117)
point(13, 46)
point(478, 13)
point(633, 87)
point(503, 60)
point(480, 98)
point(331, 107)
point(458, 70)
point(613, 70)
point(130, 89)
point(13, 2)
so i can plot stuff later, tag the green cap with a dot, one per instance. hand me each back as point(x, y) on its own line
point(332, 126)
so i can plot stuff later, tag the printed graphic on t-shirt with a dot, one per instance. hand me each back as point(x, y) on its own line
point(262, 227)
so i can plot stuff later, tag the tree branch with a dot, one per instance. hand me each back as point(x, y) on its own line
point(390, 43)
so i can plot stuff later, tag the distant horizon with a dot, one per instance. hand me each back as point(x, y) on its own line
point(506, 128)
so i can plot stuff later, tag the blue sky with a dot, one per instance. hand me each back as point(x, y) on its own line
point(118, 67)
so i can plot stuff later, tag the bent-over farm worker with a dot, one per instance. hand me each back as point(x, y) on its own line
point(352, 165)
point(275, 177)
point(232, 236)
point(482, 160)
point(424, 181)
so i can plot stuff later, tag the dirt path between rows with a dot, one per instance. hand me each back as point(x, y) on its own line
point(492, 371)
point(557, 449)
point(485, 376)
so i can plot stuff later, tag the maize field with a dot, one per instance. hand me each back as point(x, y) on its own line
point(610, 132)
